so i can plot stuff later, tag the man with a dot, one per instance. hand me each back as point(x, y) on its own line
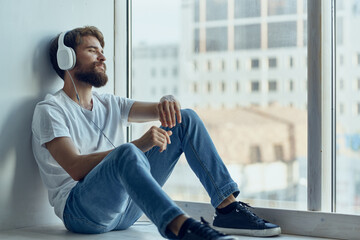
point(97, 182)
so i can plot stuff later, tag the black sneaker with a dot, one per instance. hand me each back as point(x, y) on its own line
point(202, 231)
point(241, 221)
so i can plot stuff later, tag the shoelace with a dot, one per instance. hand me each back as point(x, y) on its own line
point(246, 206)
point(205, 231)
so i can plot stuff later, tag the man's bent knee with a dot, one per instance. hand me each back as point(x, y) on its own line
point(128, 153)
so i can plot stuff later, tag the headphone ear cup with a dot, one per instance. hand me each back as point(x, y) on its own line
point(66, 56)
point(73, 58)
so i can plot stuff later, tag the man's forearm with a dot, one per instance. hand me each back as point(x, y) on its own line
point(85, 163)
point(144, 112)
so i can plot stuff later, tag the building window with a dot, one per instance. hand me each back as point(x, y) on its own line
point(255, 86)
point(216, 10)
point(358, 109)
point(291, 85)
point(358, 84)
point(282, 34)
point(196, 40)
point(247, 37)
point(272, 86)
point(282, 7)
point(195, 66)
point(209, 65)
point(255, 154)
point(175, 71)
point(358, 59)
point(216, 39)
point(195, 87)
point(237, 64)
point(272, 62)
point(209, 88)
point(255, 63)
point(252, 9)
point(223, 65)
point(196, 10)
point(223, 86)
point(237, 87)
point(279, 152)
point(341, 109)
point(291, 62)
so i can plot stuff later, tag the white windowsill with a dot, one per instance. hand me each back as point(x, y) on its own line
point(293, 222)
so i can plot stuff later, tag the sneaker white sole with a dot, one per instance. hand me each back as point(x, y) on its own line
point(250, 232)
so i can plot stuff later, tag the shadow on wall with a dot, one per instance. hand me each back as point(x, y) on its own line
point(25, 197)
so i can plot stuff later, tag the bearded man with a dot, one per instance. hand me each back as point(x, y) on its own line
point(97, 182)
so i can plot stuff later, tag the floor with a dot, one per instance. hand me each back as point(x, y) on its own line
point(142, 230)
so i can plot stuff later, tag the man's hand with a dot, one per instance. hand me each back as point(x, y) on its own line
point(169, 109)
point(153, 137)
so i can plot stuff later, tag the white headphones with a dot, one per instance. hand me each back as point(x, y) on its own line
point(66, 56)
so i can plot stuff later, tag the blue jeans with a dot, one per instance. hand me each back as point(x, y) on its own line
point(127, 183)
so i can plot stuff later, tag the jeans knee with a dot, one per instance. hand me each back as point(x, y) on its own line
point(127, 154)
point(189, 114)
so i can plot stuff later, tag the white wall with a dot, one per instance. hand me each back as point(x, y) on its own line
point(26, 27)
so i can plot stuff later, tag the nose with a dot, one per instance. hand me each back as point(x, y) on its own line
point(101, 57)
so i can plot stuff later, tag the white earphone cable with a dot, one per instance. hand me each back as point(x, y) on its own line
point(78, 98)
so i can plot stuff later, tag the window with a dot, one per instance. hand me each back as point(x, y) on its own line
point(223, 65)
point(247, 8)
point(209, 87)
point(237, 64)
point(272, 87)
point(282, 34)
point(291, 85)
point(216, 39)
point(255, 154)
point(291, 62)
point(247, 37)
point(280, 7)
point(216, 10)
point(195, 66)
point(272, 62)
point(223, 86)
point(255, 63)
point(213, 48)
point(279, 152)
point(195, 88)
point(209, 65)
point(255, 86)
point(237, 87)
point(196, 40)
point(293, 42)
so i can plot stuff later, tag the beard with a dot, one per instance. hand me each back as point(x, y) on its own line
point(91, 76)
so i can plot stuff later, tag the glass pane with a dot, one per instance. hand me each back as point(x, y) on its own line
point(348, 107)
point(244, 72)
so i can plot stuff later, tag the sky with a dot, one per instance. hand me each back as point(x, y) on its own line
point(156, 21)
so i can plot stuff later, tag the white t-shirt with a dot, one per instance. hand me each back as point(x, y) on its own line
point(60, 116)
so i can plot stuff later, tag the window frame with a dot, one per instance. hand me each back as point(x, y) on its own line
point(320, 219)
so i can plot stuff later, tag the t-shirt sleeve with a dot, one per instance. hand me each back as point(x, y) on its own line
point(125, 105)
point(49, 122)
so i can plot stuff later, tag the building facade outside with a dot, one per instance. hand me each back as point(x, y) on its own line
point(242, 64)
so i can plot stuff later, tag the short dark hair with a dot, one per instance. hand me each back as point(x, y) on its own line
point(73, 39)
